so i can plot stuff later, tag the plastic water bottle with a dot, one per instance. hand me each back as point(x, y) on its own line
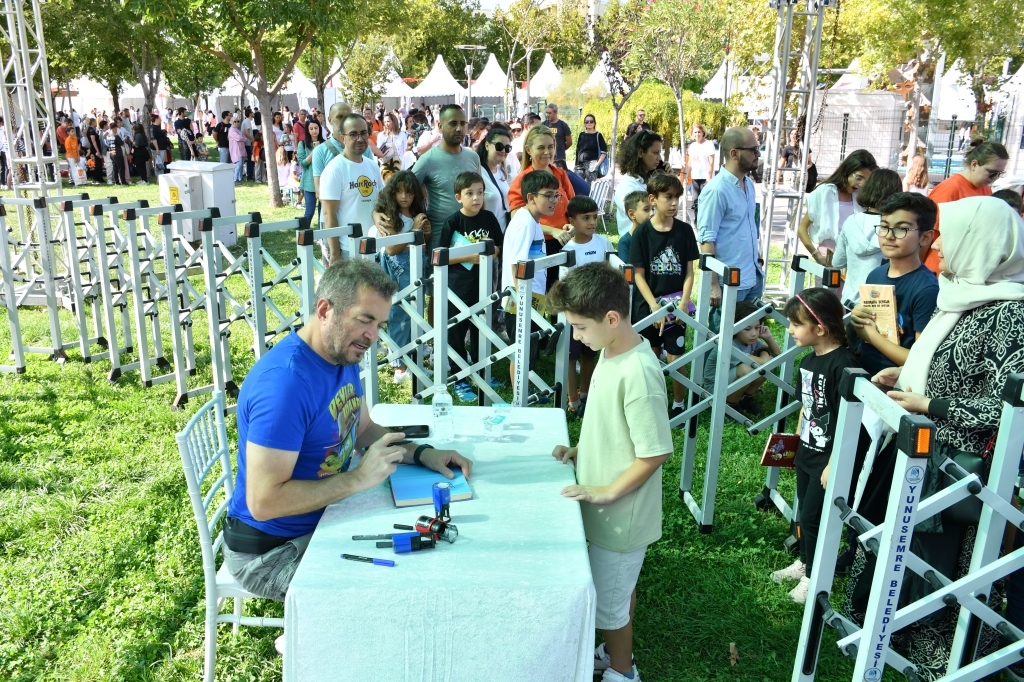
point(444, 424)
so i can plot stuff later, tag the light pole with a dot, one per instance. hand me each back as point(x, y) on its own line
point(467, 56)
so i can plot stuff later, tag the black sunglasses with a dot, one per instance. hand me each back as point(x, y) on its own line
point(499, 147)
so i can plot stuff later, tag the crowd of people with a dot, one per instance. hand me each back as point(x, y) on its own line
point(959, 295)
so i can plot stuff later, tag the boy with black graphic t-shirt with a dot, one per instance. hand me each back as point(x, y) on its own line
point(662, 254)
point(471, 224)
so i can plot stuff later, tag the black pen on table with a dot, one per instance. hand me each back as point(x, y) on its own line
point(368, 560)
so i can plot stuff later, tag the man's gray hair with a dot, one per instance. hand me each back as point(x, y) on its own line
point(341, 282)
point(553, 107)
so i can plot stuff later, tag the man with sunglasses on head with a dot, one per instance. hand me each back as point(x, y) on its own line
point(725, 226)
point(350, 183)
point(905, 229)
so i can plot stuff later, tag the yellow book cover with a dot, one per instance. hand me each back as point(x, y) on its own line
point(881, 300)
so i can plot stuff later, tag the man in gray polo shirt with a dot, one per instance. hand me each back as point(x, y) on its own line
point(438, 168)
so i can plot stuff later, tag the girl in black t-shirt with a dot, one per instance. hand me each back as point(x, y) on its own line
point(816, 322)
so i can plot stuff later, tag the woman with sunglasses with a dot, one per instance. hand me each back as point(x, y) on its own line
point(591, 150)
point(984, 163)
point(493, 153)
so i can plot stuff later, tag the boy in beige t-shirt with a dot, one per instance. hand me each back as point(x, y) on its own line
point(624, 440)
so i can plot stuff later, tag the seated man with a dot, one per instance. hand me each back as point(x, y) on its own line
point(303, 429)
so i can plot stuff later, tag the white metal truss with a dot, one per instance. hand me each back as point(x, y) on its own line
point(783, 189)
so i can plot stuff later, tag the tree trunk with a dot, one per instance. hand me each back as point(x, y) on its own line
point(682, 128)
point(613, 165)
point(269, 145)
point(321, 88)
point(115, 95)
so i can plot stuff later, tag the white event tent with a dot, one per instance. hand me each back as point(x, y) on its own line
point(956, 98)
point(492, 82)
point(547, 78)
point(439, 84)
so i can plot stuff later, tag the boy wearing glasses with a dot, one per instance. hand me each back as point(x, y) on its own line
point(905, 229)
point(524, 240)
point(350, 183)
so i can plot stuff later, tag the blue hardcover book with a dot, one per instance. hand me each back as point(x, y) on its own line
point(411, 485)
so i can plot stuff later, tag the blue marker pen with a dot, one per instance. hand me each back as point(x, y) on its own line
point(368, 560)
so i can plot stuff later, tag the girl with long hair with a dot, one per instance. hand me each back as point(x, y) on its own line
point(639, 156)
point(831, 203)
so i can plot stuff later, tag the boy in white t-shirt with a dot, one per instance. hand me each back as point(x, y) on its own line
point(350, 184)
point(524, 240)
point(589, 248)
point(624, 440)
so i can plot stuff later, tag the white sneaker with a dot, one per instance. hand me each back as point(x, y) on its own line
point(613, 675)
point(799, 593)
point(402, 375)
point(602, 661)
point(279, 645)
point(794, 571)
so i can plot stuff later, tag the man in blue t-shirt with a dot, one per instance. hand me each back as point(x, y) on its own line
point(906, 227)
point(303, 428)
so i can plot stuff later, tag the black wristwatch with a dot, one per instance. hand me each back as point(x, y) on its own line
point(418, 452)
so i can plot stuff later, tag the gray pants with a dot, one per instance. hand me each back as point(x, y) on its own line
point(268, 575)
point(108, 167)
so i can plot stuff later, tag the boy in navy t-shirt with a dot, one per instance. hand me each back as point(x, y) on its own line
point(906, 228)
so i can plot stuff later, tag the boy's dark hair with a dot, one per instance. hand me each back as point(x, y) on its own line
point(660, 183)
point(745, 309)
point(821, 304)
point(466, 180)
point(580, 204)
point(591, 291)
point(879, 186)
point(535, 181)
point(918, 204)
point(634, 199)
point(1011, 197)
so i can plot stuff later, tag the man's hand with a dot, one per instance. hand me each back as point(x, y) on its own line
point(380, 460)
point(441, 460)
point(564, 454)
point(333, 255)
point(888, 376)
point(589, 493)
point(716, 295)
point(383, 223)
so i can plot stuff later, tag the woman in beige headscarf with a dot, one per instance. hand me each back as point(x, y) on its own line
point(954, 374)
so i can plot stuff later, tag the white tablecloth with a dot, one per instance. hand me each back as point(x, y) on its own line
point(512, 599)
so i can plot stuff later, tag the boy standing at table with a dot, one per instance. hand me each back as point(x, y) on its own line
point(624, 440)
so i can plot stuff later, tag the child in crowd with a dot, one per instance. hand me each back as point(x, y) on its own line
point(1013, 198)
point(202, 152)
point(756, 342)
point(401, 201)
point(589, 248)
point(284, 172)
point(524, 239)
point(469, 225)
point(638, 208)
point(816, 322)
point(295, 183)
point(857, 247)
point(624, 440)
point(409, 156)
point(259, 171)
point(662, 253)
point(72, 153)
point(904, 230)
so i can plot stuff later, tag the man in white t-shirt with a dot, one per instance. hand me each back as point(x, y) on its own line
point(350, 183)
point(701, 153)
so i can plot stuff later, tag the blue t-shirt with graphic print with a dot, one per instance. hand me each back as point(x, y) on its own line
point(294, 400)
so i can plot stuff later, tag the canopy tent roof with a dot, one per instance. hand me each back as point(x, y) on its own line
point(715, 88)
point(547, 78)
point(439, 83)
point(956, 98)
point(299, 84)
point(493, 81)
point(852, 80)
point(396, 87)
point(598, 80)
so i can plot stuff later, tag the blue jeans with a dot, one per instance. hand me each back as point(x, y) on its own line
point(225, 154)
point(239, 170)
point(311, 206)
point(399, 324)
point(750, 294)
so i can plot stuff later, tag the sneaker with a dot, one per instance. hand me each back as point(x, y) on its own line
point(799, 593)
point(794, 571)
point(845, 561)
point(602, 661)
point(402, 375)
point(465, 392)
point(748, 406)
point(279, 645)
point(613, 675)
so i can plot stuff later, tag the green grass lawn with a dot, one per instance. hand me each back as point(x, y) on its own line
point(100, 576)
